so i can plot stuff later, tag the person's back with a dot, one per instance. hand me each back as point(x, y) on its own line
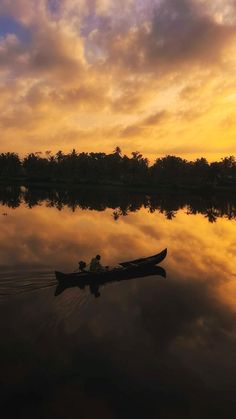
point(95, 265)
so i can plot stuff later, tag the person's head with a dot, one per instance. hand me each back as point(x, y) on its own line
point(98, 257)
point(82, 265)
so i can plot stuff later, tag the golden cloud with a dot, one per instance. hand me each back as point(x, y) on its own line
point(154, 75)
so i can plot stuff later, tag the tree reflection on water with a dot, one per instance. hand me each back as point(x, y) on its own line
point(122, 201)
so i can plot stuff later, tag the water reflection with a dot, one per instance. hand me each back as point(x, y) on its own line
point(95, 284)
point(148, 348)
point(124, 202)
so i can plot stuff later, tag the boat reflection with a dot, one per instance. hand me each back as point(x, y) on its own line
point(95, 284)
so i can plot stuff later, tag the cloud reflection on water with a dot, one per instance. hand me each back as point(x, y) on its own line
point(154, 347)
point(45, 236)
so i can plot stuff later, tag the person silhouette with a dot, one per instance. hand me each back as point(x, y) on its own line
point(95, 265)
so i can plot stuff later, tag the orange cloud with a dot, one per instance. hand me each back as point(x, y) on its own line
point(92, 74)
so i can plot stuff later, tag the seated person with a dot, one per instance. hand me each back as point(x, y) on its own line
point(95, 265)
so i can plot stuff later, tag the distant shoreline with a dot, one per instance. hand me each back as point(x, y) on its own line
point(148, 188)
point(116, 170)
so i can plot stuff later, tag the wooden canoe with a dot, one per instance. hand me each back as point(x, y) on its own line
point(148, 261)
point(138, 267)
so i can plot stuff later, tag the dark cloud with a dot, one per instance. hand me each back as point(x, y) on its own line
point(50, 52)
point(131, 131)
point(12, 52)
point(151, 121)
point(156, 118)
point(179, 32)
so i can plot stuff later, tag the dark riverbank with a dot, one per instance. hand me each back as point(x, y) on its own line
point(120, 171)
point(143, 187)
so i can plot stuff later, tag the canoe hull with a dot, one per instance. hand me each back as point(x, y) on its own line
point(103, 277)
point(149, 261)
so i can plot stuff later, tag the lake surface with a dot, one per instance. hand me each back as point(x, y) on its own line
point(146, 348)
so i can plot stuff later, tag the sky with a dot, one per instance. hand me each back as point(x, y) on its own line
point(154, 76)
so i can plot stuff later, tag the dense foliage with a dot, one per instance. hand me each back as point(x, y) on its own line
point(116, 168)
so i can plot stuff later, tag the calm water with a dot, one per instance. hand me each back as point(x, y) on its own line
point(146, 348)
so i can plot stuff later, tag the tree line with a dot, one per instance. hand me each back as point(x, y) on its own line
point(116, 168)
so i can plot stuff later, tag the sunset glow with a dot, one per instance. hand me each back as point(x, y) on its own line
point(156, 76)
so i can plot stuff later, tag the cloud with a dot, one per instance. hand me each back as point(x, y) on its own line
point(153, 120)
point(178, 33)
point(111, 68)
point(12, 52)
point(56, 50)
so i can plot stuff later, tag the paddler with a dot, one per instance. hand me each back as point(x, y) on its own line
point(95, 265)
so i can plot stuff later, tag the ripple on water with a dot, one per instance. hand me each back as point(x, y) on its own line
point(21, 282)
